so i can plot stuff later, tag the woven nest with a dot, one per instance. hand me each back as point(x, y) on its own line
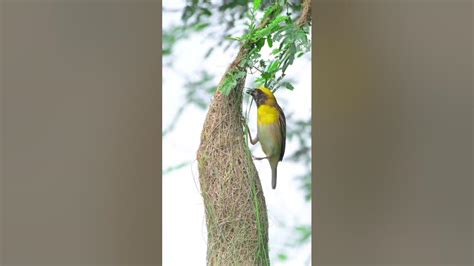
point(236, 214)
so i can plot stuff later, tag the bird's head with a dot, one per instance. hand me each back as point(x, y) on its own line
point(262, 95)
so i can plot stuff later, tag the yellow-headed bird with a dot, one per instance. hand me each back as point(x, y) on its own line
point(271, 128)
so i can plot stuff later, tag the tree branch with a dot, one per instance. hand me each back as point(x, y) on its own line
point(305, 16)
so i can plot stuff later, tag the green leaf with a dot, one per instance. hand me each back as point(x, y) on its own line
point(206, 11)
point(243, 62)
point(209, 52)
point(259, 81)
point(282, 256)
point(287, 85)
point(232, 38)
point(292, 54)
point(275, 8)
point(302, 36)
point(244, 37)
point(274, 66)
point(269, 29)
point(269, 41)
point(200, 26)
point(277, 21)
point(188, 12)
point(166, 51)
point(277, 36)
point(240, 75)
point(231, 82)
point(261, 33)
point(228, 84)
point(260, 43)
point(304, 233)
point(266, 76)
point(256, 4)
point(299, 54)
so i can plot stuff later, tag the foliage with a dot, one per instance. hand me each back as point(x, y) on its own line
point(230, 81)
point(220, 20)
point(291, 39)
point(304, 233)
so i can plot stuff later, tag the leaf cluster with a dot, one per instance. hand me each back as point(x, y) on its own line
point(231, 80)
point(287, 40)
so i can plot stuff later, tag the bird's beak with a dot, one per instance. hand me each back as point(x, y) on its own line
point(250, 91)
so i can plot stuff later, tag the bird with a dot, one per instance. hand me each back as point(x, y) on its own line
point(271, 128)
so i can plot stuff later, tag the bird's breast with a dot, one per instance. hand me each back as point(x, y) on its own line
point(267, 114)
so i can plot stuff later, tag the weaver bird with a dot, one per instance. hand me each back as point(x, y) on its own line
point(271, 128)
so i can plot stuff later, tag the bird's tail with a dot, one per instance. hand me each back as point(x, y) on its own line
point(274, 175)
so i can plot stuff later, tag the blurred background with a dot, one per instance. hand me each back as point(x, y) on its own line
point(80, 136)
point(393, 132)
point(196, 54)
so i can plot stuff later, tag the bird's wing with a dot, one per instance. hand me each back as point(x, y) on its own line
point(282, 121)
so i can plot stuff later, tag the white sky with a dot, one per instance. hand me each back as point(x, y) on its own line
point(184, 228)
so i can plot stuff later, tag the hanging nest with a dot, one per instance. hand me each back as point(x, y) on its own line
point(236, 214)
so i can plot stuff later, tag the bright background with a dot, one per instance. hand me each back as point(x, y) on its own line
point(184, 227)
